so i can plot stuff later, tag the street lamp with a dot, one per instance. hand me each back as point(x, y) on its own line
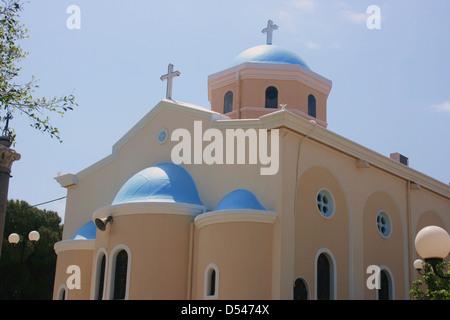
point(433, 245)
point(32, 236)
point(14, 238)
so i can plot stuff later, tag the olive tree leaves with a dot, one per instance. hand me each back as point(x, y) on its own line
point(19, 97)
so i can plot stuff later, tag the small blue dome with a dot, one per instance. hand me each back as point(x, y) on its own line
point(269, 54)
point(240, 199)
point(86, 232)
point(165, 182)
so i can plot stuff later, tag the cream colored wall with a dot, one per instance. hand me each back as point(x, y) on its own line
point(242, 252)
point(429, 218)
point(354, 240)
point(429, 208)
point(384, 251)
point(159, 253)
point(315, 233)
point(81, 258)
point(355, 187)
point(283, 229)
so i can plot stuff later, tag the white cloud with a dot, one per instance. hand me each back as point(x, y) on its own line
point(313, 45)
point(283, 14)
point(443, 107)
point(355, 16)
point(307, 5)
point(287, 19)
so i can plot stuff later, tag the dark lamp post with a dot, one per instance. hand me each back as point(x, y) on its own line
point(7, 157)
point(14, 238)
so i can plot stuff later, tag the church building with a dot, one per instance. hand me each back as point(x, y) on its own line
point(252, 198)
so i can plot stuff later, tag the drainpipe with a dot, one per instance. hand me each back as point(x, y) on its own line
point(238, 94)
point(302, 139)
point(408, 235)
point(190, 261)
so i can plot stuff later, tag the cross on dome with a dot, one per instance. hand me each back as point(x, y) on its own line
point(269, 30)
point(169, 77)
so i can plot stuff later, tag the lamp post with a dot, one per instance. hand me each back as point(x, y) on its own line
point(433, 245)
point(14, 238)
point(7, 157)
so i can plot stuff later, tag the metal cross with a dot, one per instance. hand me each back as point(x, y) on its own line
point(169, 77)
point(269, 30)
point(7, 118)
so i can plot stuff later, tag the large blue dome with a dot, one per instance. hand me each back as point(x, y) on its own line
point(269, 54)
point(240, 199)
point(165, 182)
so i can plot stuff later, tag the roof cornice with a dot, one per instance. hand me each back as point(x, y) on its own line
point(70, 245)
point(275, 71)
point(234, 215)
point(287, 119)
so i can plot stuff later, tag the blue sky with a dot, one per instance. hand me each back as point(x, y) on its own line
point(391, 87)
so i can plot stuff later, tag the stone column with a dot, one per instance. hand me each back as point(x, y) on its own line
point(7, 157)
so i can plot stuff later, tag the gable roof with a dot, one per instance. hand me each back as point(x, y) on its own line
point(68, 180)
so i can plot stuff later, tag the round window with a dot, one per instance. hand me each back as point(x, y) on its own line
point(162, 136)
point(325, 203)
point(383, 224)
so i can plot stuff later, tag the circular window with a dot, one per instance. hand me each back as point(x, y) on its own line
point(383, 224)
point(325, 203)
point(162, 136)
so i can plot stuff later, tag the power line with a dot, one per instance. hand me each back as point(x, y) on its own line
point(49, 201)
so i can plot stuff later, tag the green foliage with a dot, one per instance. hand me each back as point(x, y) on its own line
point(432, 287)
point(19, 97)
point(37, 270)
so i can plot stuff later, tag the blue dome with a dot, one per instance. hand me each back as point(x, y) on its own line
point(269, 54)
point(86, 232)
point(240, 199)
point(165, 182)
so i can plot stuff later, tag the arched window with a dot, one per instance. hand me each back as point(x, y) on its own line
point(271, 97)
point(120, 275)
point(323, 278)
point(228, 102)
point(312, 106)
point(300, 290)
point(211, 281)
point(325, 275)
point(385, 291)
point(62, 292)
point(101, 277)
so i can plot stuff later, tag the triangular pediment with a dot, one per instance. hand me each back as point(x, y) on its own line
point(168, 111)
